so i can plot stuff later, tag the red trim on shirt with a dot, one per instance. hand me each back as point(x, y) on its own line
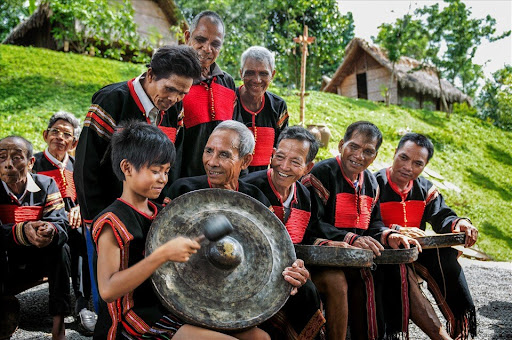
point(151, 205)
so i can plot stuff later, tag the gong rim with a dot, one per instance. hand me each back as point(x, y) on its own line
point(326, 256)
point(226, 305)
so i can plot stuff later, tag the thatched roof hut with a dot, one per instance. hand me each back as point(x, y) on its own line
point(153, 17)
point(362, 58)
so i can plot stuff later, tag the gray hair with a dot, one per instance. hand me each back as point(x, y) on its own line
point(259, 53)
point(68, 117)
point(213, 16)
point(246, 144)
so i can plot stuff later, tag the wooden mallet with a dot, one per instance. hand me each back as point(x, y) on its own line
point(215, 228)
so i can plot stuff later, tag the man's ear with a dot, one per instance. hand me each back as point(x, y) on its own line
point(241, 75)
point(45, 135)
point(273, 74)
point(309, 167)
point(74, 144)
point(187, 36)
point(246, 161)
point(340, 145)
point(30, 163)
point(126, 168)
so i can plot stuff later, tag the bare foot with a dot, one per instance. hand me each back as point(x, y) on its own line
point(58, 329)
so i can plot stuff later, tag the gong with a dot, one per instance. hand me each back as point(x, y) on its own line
point(234, 283)
point(326, 256)
point(442, 240)
point(397, 256)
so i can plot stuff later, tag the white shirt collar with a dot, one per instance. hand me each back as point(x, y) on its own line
point(288, 201)
point(143, 97)
point(60, 165)
point(30, 187)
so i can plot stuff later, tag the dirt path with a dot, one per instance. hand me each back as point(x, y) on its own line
point(490, 284)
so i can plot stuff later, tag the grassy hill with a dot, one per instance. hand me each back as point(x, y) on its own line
point(471, 154)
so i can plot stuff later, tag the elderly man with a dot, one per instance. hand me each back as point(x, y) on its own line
point(154, 97)
point(408, 202)
point(347, 211)
point(263, 112)
point(61, 137)
point(34, 230)
point(212, 97)
point(227, 152)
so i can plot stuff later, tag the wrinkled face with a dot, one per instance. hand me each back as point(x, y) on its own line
point(289, 162)
point(221, 159)
point(207, 40)
point(357, 154)
point(408, 163)
point(14, 164)
point(148, 181)
point(257, 76)
point(60, 138)
point(165, 92)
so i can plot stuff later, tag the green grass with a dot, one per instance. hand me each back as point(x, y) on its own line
point(470, 153)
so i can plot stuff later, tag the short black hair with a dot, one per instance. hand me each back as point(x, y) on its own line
point(141, 144)
point(213, 16)
point(301, 134)
point(369, 130)
point(419, 140)
point(180, 60)
point(28, 145)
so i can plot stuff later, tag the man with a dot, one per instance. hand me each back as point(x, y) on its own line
point(227, 152)
point(347, 211)
point(61, 136)
point(408, 202)
point(263, 112)
point(33, 231)
point(212, 97)
point(154, 97)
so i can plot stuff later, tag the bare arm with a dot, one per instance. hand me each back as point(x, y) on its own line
point(114, 283)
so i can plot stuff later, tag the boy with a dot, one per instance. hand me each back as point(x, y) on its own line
point(141, 157)
point(61, 136)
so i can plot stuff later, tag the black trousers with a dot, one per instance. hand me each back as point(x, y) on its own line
point(23, 266)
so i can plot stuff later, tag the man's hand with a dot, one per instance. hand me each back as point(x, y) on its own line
point(39, 233)
point(74, 217)
point(367, 242)
point(396, 239)
point(296, 275)
point(339, 244)
point(469, 229)
point(412, 232)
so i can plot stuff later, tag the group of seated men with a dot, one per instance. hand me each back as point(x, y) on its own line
point(236, 139)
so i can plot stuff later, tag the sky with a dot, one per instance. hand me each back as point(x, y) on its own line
point(369, 14)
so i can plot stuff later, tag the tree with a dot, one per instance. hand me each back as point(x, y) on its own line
point(12, 12)
point(274, 24)
point(495, 100)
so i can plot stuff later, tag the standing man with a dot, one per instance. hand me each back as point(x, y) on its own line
point(408, 202)
point(153, 97)
point(347, 210)
point(263, 112)
point(212, 98)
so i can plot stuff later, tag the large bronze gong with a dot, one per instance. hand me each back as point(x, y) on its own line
point(235, 283)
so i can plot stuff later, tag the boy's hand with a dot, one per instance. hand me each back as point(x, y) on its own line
point(179, 249)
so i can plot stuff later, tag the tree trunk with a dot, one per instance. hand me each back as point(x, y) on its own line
point(444, 105)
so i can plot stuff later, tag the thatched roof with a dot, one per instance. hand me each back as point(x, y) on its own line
point(422, 81)
point(36, 20)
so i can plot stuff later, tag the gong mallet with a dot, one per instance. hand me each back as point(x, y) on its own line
point(215, 228)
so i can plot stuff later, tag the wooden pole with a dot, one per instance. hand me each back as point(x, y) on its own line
point(304, 40)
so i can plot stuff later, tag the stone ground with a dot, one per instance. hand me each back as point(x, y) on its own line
point(490, 284)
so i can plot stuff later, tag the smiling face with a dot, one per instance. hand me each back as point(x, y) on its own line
point(206, 39)
point(148, 181)
point(257, 76)
point(408, 163)
point(357, 154)
point(165, 92)
point(289, 163)
point(14, 164)
point(60, 138)
point(221, 159)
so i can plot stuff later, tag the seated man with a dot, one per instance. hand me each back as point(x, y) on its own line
point(263, 112)
point(408, 202)
point(227, 152)
point(347, 210)
point(62, 136)
point(34, 230)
